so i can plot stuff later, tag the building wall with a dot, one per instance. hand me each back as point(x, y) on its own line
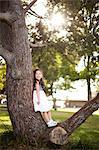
point(70, 103)
point(74, 103)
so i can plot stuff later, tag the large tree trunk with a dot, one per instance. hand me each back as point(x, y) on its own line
point(14, 48)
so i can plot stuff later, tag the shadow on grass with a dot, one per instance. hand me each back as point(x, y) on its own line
point(8, 142)
point(5, 127)
point(83, 145)
point(3, 107)
point(3, 110)
point(6, 137)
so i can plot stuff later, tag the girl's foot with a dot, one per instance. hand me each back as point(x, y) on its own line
point(51, 123)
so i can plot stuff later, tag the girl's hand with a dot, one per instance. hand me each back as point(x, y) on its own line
point(38, 102)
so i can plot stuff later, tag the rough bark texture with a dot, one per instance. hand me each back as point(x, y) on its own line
point(14, 47)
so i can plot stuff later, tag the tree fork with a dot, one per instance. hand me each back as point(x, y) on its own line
point(59, 135)
point(9, 17)
point(29, 6)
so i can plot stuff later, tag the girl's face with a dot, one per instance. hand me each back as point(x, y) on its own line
point(38, 75)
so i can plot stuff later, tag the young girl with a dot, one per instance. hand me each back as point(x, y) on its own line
point(40, 99)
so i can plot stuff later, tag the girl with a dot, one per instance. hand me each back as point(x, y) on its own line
point(40, 100)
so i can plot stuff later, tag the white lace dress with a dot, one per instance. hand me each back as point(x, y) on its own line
point(44, 105)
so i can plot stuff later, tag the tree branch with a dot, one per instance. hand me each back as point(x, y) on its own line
point(34, 14)
point(68, 59)
point(8, 16)
point(95, 30)
point(59, 135)
point(37, 45)
point(29, 6)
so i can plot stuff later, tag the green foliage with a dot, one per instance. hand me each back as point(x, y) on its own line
point(54, 66)
point(49, 61)
point(83, 16)
point(85, 74)
point(81, 39)
point(60, 57)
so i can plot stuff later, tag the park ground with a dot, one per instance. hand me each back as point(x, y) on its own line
point(86, 137)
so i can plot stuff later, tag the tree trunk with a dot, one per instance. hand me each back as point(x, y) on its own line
point(88, 80)
point(89, 89)
point(16, 52)
point(14, 48)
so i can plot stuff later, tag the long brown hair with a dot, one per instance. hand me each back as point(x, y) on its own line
point(41, 82)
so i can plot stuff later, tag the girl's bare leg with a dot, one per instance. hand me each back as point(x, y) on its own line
point(45, 116)
point(49, 115)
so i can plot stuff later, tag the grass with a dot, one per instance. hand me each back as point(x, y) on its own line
point(5, 124)
point(86, 137)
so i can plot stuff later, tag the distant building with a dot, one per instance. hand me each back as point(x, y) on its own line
point(75, 97)
point(75, 103)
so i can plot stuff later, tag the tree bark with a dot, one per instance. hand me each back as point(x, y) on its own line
point(14, 47)
point(14, 41)
point(89, 80)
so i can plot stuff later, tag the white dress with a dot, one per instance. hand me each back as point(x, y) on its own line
point(44, 105)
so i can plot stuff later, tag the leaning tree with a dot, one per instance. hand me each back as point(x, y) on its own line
point(14, 48)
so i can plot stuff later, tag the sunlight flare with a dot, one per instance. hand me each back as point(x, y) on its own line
point(57, 20)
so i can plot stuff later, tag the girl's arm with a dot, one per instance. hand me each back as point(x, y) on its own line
point(38, 92)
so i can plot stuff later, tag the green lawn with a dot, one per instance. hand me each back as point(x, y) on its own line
point(86, 137)
point(5, 124)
